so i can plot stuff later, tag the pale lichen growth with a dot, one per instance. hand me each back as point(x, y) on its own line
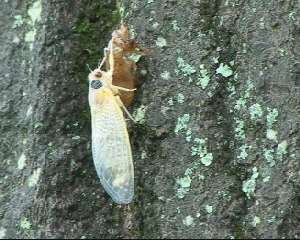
point(256, 111)
point(200, 149)
point(271, 219)
point(268, 154)
point(30, 36)
point(182, 123)
point(18, 21)
point(155, 25)
point(143, 154)
point(240, 104)
point(134, 57)
point(266, 179)
point(2, 233)
point(224, 70)
point(29, 111)
point(271, 117)
point(239, 130)
point(188, 135)
point(243, 152)
point(76, 138)
point(256, 221)
point(215, 59)
point(203, 78)
point(209, 209)
point(175, 26)
point(184, 67)
point(271, 135)
point(35, 11)
point(35, 15)
point(180, 98)
point(170, 102)
point(22, 161)
point(188, 221)
point(183, 186)
point(161, 42)
point(281, 149)
point(34, 178)
point(139, 114)
point(25, 224)
point(165, 75)
point(250, 184)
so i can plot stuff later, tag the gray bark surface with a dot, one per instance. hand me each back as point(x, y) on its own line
point(216, 147)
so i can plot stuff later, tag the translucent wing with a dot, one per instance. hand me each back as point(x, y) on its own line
point(111, 149)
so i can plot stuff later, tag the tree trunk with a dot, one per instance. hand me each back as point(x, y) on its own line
point(216, 146)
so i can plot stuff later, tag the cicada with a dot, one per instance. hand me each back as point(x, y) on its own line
point(110, 141)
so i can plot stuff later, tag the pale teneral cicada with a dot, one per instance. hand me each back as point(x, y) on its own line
point(110, 141)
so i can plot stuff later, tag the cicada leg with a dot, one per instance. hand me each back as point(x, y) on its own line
point(119, 101)
point(105, 59)
point(124, 89)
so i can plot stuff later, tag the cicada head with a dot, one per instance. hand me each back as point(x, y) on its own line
point(99, 85)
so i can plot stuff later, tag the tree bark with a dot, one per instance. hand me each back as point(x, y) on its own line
point(216, 146)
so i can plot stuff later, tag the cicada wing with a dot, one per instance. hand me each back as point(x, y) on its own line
point(111, 151)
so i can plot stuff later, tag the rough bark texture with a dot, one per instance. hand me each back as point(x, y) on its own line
point(212, 157)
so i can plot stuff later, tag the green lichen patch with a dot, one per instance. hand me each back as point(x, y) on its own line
point(281, 149)
point(183, 186)
point(256, 221)
point(180, 98)
point(239, 129)
point(182, 123)
point(185, 68)
point(250, 184)
point(188, 135)
point(266, 179)
point(188, 221)
point(208, 209)
point(143, 154)
point(22, 161)
point(175, 26)
point(18, 21)
point(171, 102)
point(34, 178)
point(243, 152)
point(165, 75)
point(2, 233)
point(155, 25)
point(161, 42)
point(271, 117)
point(134, 57)
point(269, 156)
point(224, 70)
point(207, 159)
point(35, 11)
point(35, 15)
point(139, 114)
point(256, 111)
point(30, 36)
point(240, 104)
point(25, 224)
point(200, 149)
point(271, 135)
point(203, 78)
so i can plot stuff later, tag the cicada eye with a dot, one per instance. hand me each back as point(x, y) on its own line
point(96, 84)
